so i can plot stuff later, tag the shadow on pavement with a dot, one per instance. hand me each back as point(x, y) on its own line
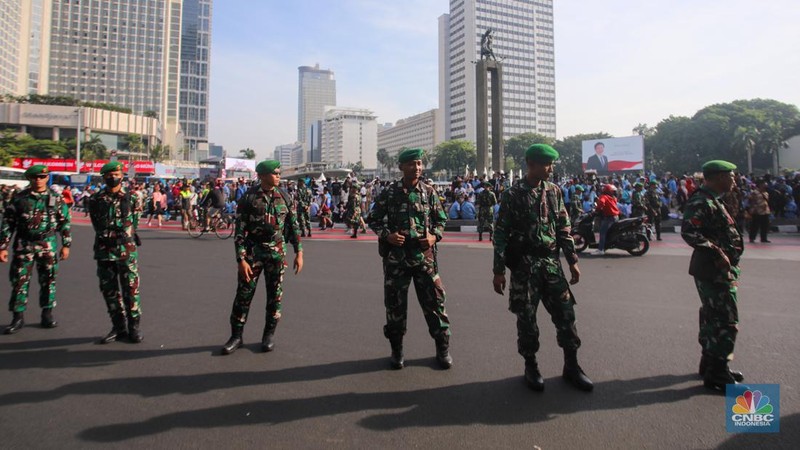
point(101, 356)
point(497, 402)
point(196, 384)
point(47, 343)
point(788, 437)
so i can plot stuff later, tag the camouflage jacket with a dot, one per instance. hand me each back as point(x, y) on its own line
point(303, 197)
point(708, 226)
point(33, 217)
point(653, 200)
point(114, 219)
point(263, 223)
point(413, 212)
point(486, 200)
point(534, 222)
point(639, 201)
point(577, 202)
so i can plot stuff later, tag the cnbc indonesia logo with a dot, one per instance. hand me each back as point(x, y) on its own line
point(752, 409)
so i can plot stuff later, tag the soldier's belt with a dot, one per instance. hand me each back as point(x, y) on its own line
point(541, 252)
point(38, 236)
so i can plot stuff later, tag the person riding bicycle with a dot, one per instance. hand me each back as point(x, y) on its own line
point(213, 204)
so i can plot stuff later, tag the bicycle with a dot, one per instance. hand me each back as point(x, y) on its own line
point(221, 224)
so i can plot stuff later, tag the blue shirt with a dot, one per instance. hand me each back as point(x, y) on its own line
point(455, 211)
point(468, 211)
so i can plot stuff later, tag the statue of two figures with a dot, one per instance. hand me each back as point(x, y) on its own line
point(486, 46)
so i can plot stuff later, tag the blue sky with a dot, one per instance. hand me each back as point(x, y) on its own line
point(618, 63)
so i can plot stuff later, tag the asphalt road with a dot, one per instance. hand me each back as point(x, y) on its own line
point(327, 384)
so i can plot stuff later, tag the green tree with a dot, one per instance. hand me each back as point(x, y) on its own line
point(93, 149)
point(570, 151)
point(247, 153)
point(453, 156)
point(516, 146)
point(643, 130)
point(159, 153)
point(135, 143)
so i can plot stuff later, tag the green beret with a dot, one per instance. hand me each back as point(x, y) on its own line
point(638, 184)
point(267, 166)
point(36, 170)
point(487, 184)
point(579, 188)
point(541, 153)
point(110, 167)
point(718, 165)
point(410, 154)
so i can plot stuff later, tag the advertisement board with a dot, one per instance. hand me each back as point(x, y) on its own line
point(240, 165)
point(604, 156)
point(68, 165)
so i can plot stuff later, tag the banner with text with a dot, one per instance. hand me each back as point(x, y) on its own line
point(604, 156)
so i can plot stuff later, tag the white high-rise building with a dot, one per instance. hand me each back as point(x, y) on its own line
point(349, 136)
point(286, 154)
point(423, 130)
point(122, 52)
point(316, 90)
point(523, 40)
point(24, 40)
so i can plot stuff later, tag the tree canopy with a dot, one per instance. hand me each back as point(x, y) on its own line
point(453, 156)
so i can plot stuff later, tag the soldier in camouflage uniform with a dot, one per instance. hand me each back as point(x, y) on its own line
point(113, 211)
point(532, 227)
point(576, 204)
point(303, 201)
point(409, 220)
point(352, 214)
point(639, 206)
point(718, 246)
point(486, 202)
point(653, 200)
point(265, 219)
point(34, 216)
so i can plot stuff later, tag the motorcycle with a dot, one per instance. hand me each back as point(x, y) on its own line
point(630, 234)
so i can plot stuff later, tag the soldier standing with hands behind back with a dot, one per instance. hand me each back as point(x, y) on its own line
point(261, 215)
point(718, 246)
point(115, 218)
point(409, 220)
point(532, 227)
point(33, 216)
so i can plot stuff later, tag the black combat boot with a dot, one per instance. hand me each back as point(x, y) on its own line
point(266, 339)
point(134, 335)
point(309, 232)
point(704, 361)
point(718, 375)
point(118, 331)
point(47, 318)
point(480, 237)
point(234, 342)
point(533, 377)
point(443, 351)
point(355, 234)
point(491, 236)
point(397, 362)
point(16, 323)
point(573, 372)
point(303, 233)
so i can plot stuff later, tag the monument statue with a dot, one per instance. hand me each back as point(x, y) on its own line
point(486, 46)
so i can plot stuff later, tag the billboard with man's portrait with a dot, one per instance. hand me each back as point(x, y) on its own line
point(604, 156)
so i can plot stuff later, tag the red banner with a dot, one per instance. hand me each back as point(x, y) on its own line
point(68, 165)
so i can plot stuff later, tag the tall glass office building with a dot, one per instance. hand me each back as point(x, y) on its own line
point(523, 39)
point(195, 71)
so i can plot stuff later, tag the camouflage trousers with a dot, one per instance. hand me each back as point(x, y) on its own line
point(485, 222)
point(119, 284)
point(273, 269)
point(20, 276)
point(719, 314)
point(430, 293)
point(542, 280)
point(303, 220)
